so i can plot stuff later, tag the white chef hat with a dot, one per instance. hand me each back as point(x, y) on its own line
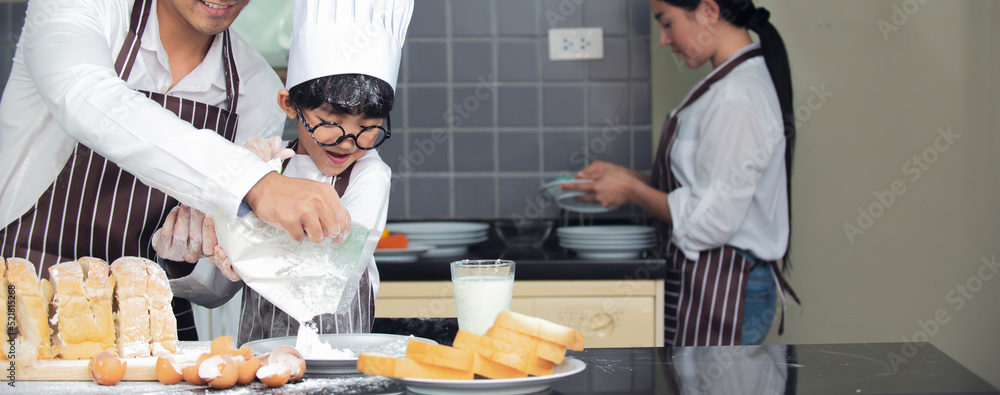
point(333, 37)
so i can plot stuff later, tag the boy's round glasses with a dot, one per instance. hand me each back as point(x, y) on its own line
point(380, 133)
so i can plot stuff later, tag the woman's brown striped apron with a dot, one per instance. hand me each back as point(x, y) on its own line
point(704, 299)
point(259, 319)
point(95, 208)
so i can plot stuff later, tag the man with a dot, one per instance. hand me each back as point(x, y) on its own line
point(117, 109)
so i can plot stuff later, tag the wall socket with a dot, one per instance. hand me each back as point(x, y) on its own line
point(576, 44)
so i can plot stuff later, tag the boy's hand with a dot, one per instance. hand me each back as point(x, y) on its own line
point(269, 149)
point(182, 237)
point(221, 260)
point(303, 208)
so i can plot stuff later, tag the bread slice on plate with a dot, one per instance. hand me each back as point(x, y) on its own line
point(81, 296)
point(542, 329)
point(132, 316)
point(31, 311)
point(385, 365)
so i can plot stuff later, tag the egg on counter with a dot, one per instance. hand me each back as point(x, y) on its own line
point(168, 371)
point(106, 369)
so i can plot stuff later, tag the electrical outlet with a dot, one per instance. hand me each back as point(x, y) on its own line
point(576, 44)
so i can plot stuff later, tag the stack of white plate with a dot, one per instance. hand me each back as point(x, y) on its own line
point(607, 241)
point(445, 238)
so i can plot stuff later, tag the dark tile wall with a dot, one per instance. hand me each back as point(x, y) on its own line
point(11, 22)
point(483, 118)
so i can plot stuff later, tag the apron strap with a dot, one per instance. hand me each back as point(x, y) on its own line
point(232, 75)
point(130, 48)
point(783, 287)
point(133, 41)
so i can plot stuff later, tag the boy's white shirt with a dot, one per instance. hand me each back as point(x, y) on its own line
point(366, 199)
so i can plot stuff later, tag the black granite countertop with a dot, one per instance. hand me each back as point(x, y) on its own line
point(881, 368)
point(550, 262)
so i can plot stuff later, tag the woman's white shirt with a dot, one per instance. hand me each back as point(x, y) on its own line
point(366, 198)
point(729, 159)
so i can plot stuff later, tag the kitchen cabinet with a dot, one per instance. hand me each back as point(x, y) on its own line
point(611, 313)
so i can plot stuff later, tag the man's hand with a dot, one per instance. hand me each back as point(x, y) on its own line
point(182, 237)
point(303, 208)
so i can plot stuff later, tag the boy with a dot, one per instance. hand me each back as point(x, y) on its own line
point(339, 92)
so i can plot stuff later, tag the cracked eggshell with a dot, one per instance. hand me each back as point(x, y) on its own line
point(168, 371)
point(291, 357)
point(274, 375)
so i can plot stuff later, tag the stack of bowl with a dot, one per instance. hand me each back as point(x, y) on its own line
point(607, 241)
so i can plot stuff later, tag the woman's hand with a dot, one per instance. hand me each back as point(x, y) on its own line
point(612, 187)
point(269, 149)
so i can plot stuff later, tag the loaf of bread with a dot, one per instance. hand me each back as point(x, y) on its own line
point(81, 309)
point(100, 289)
point(31, 311)
point(162, 323)
point(132, 316)
point(542, 329)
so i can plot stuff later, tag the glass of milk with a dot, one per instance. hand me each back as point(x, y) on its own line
point(483, 288)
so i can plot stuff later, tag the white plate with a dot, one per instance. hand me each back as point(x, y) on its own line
point(446, 237)
point(408, 254)
point(436, 227)
point(605, 230)
point(598, 255)
point(447, 252)
point(526, 385)
point(598, 247)
point(564, 198)
point(394, 345)
point(454, 242)
point(610, 242)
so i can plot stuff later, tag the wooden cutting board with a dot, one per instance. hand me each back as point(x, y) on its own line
point(136, 369)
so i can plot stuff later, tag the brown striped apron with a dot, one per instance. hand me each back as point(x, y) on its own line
point(704, 299)
point(95, 208)
point(260, 319)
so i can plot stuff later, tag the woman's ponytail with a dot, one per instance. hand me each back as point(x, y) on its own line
point(776, 59)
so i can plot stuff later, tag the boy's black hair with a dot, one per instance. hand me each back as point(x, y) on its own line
point(354, 94)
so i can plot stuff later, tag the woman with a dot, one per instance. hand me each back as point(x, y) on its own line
point(719, 187)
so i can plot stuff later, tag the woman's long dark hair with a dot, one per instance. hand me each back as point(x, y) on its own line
point(742, 13)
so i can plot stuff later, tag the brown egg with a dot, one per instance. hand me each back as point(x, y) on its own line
point(247, 370)
point(290, 356)
point(222, 345)
point(274, 375)
point(190, 373)
point(106, 369)
point(168, 371)
point(219, 371)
